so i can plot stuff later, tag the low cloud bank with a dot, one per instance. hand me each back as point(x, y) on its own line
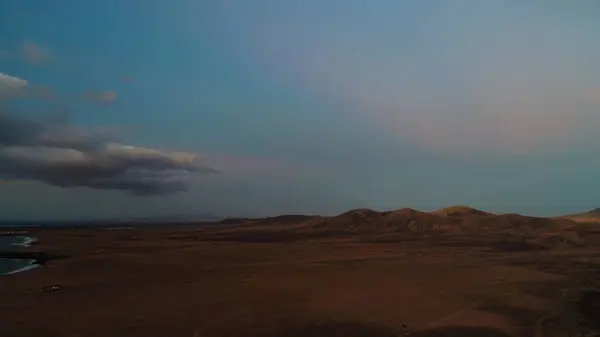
point(65, 155)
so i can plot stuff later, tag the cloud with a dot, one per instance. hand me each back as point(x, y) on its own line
point(593, 94)
point(39, 92)
point(11, 86)
point(108, 96)
point(34, 53)
point(244, 166)
point(69, 156)
point(471, 78)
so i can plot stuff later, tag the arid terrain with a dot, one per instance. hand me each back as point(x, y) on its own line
point(455, 272)
point(592, 216)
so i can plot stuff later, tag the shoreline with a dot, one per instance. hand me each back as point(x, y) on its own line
point(27, 241)
point(31, 264)
point(30, 260)
point(39, 257)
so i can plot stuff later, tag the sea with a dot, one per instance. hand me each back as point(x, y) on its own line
point(14, 243)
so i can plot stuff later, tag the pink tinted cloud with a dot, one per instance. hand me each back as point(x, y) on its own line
point(513, 82)
point(34, 53)
point(108, 96)
point(593, 94)
point(249, 165)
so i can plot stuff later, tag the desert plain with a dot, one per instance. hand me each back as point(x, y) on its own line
point(452, 273)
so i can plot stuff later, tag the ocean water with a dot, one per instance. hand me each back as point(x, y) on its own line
point(12, 266)
point(9, 243)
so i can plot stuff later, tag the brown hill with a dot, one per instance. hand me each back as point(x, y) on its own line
point(452, 219)
point(367, 221)
point(591, 216)
point(458, 226)
point(460, 211)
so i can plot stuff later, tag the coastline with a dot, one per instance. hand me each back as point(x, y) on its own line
point(31, 264)
point(27, 241)
point(28, 260)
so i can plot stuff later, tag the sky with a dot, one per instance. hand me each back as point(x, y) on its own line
point(145, 108)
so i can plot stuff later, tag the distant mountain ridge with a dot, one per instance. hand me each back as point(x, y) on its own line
point(458, 225)
point(461, 211)
point(364, 220)
point(360, 219)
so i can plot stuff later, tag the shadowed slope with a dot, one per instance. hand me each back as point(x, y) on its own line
point(369, 221)
point(460, 211)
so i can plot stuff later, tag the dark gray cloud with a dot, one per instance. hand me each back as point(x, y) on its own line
point(57, 153)
point(11, 86)
point(65, 155)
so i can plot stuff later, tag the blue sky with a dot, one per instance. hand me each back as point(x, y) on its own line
point(302, 106)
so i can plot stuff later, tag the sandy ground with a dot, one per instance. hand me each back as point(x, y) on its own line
point(175, 282)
